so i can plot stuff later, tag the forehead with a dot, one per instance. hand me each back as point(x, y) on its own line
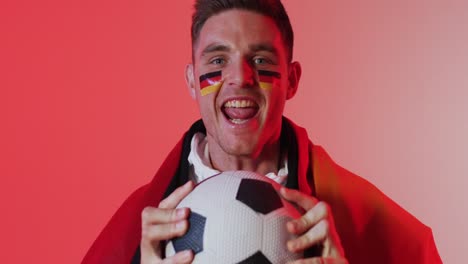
point(238, 29)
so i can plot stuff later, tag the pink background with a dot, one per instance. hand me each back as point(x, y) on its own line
point(92, 98)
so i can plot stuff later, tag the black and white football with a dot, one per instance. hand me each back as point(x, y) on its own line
point(236, 217)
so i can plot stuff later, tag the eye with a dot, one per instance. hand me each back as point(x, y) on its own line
point(217, 61)
point(260, 60)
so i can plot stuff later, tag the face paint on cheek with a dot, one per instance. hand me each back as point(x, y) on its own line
point(267, 78)
point(210, 83)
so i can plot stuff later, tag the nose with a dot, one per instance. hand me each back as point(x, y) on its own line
point(241, 75)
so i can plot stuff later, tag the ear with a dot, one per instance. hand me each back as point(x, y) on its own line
point(190, 80)
point(294, 75)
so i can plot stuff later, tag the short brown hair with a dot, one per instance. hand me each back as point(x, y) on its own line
point(274, 9)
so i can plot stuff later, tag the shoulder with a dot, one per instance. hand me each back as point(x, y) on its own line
point(112, 244)
point(119, 239)
point(367, 220)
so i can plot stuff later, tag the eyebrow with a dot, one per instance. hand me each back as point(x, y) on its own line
point(214, 48)
point(264, 47)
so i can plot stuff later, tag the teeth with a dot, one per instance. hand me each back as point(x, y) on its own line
point(238, 121)
point(239, 103)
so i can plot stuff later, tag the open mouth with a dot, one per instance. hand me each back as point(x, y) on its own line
point(239, 111)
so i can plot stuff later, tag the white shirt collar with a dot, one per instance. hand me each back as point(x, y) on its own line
point(201, 168)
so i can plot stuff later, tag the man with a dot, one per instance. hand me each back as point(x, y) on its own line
point(241, 76)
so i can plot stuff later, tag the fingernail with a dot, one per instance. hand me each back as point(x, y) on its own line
point(180, 212)
point(291, 246)
point(186, 254)
point(180, 225)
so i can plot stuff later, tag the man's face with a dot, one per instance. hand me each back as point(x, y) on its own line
point(252, 80)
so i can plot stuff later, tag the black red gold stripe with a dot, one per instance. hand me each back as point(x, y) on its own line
point(210, 82)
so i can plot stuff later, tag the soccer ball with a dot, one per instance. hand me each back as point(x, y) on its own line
point(236, 217)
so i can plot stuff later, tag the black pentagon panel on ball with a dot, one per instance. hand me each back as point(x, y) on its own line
point(193, 239)
point(257, 258)
point(260, 196)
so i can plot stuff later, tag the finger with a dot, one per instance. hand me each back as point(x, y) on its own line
point(152, 215)
point(151, 233)
point(304, 201)
point(174, 199)
point(185, 256)
point(309, 219)
point(314, 236)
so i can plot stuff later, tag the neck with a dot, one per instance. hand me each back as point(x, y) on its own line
point(264, 162)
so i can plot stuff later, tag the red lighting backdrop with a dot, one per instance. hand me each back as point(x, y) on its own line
point(92, 98)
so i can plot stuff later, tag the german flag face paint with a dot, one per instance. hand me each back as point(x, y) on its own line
point(267, 78)
point(210, 82)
